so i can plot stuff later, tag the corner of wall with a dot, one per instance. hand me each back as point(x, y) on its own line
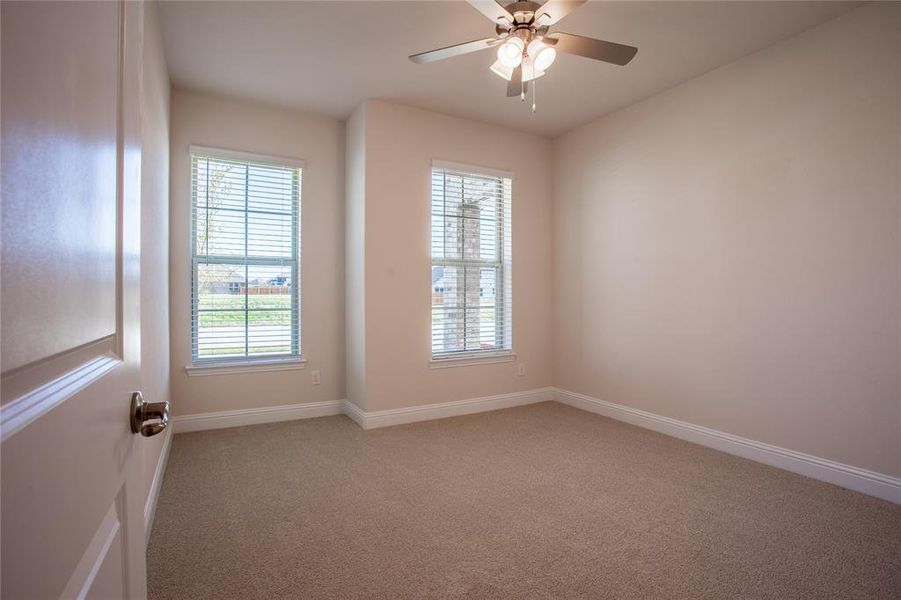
point(355, 256)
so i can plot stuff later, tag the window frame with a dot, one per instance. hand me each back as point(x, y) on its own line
point(503, 264)
point(263, 362)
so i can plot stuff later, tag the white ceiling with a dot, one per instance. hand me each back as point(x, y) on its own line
point(327, 57)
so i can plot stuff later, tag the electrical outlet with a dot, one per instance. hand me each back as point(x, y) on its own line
point(521, 369)
point(317, 379)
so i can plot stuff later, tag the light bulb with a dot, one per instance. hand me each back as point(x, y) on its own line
point(510, 52)
point(542, 54)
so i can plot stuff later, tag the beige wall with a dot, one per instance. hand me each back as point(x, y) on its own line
point(154, 230)
point(319, 141)
point(399, 144)
point(727, 252)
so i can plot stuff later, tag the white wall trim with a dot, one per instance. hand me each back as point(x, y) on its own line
point(366, 420)
point(156, 485)
point(876, 484)
point(473, 169)
point(355, 413)
point(427, 412)
point(449, 362)
point(254, 416)
point(279, 161)
point(249, 366)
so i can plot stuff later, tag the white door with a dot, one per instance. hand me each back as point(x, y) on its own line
point(72, 505)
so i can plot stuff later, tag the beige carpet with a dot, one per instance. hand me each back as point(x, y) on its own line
point(543, 501)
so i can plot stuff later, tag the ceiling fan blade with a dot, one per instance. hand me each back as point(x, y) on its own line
point(611, 52)
point(554, 10)
point(515, 86)
point(455, 50)
point(492, 10)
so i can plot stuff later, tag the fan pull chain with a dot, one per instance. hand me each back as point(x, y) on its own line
point(522, 89)
point(534, 92)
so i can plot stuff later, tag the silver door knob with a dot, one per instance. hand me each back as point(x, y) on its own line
point(148, 411)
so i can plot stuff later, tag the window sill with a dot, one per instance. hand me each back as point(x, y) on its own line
point(249, 366)
point(472, 359)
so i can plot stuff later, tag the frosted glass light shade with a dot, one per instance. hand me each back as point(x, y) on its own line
point(510, 52)
point(545, 58)
point(542, 54)
point(501, 70)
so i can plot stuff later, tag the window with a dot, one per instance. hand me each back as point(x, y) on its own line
point(245, 301)
point(471, 262)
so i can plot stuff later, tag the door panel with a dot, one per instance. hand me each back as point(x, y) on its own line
point(71, 503)
point(59, 98)
point(99, 572)
point(109, 583)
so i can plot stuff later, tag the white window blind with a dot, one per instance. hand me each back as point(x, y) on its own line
point(245, 301)
point(471, 262)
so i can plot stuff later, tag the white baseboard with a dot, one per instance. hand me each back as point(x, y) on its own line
point(255, 416)
point(355, 413)
point(366, 420)
point(868, 482)
point(872, 483)
point(427, 412)
point(156, 484)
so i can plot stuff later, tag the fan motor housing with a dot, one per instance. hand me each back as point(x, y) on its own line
point(523, 25)
point(523, 12)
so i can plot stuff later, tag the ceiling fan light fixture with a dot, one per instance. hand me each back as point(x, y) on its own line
point(510, 52)
point(502, 71)
point(525, 48)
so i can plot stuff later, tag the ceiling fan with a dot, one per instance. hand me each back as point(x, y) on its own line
point(525, 49)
